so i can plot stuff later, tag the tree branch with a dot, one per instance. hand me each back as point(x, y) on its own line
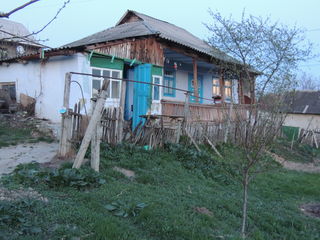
point(7, 15)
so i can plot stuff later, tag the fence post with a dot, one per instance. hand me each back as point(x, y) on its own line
point(121, 110)
point(186, 111)
point(91, 129)
point(66, 122)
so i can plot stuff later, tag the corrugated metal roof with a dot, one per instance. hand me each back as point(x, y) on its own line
point(152, 26)
point(15, 32)
point(303, 102)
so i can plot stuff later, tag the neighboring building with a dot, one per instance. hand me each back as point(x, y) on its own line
point(304, 110)
point(139, 48)
point(15, 40)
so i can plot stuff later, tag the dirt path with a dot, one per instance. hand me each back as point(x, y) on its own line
point(304, 167)
point(40, 152)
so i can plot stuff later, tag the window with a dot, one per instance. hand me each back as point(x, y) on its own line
point(3, 53)
point(169, 81)
point(114, 88)
point(216, 87)
point(227, 89)
point(156, 90)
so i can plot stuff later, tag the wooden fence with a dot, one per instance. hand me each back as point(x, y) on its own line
point(109, 124)
point(203, 112)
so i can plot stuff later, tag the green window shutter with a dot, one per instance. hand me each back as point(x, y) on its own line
point(106, 62)
point(156, 70)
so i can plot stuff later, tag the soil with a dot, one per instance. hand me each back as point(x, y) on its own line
point(304, 167)
point(311, 209)
point(12, 156)
point(16, 194)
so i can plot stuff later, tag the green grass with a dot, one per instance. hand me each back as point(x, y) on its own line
point(172, 182)
point(12, 135)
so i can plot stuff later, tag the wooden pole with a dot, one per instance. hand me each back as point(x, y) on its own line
point(178, 131)
point(186, 111)
point(91, 129)
point(121, 110)
point(95, 147)
point(65, 145)
point(95, 143)
point(195, 79)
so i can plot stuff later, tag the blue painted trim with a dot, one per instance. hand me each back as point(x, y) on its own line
point(200, 81)
point(173, 85)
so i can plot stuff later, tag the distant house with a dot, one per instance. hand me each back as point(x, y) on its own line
point(303, 110)
point(15, 40)
point(138, 47)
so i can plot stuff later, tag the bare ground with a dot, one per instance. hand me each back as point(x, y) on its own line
point(304, 167)
point(12, 156)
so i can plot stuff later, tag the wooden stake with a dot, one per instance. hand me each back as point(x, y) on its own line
point(65, 145)
point(186, 111)
point(178, 131)
point(213, 147)
point(95, 118)
point(192, 140)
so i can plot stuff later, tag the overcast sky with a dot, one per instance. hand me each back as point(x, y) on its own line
point(81, 18)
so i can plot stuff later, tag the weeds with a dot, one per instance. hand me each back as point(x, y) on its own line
point(32, 174)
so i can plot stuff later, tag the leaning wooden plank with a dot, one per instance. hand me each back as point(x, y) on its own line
point(95, 118)
point(192, 140)
point(213, 147)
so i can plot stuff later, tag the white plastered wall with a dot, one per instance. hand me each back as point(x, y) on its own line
point(44, 81)
point(303, 121)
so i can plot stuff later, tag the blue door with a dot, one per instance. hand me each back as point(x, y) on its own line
point(191, 88)
point(141, 93)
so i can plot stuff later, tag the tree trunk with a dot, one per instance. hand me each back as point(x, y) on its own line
point(244, 203)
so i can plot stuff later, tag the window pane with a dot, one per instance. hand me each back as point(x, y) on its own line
point(106, 73)
point(96, 72)
point(215, 82)
point(227, 83)
point(115, 89)
point(156, 90)
point(95, 86)
point(115, 74)
point(156, 93)
point(228, 93)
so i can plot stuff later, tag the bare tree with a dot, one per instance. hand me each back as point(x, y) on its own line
point(8, 14)
point(306, 81)
point(272, 52)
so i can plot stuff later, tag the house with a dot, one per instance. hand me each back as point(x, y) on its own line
point(15, 40)
point(303, 110)
point(139, 48)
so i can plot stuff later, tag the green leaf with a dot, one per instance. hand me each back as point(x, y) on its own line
point(110, 207)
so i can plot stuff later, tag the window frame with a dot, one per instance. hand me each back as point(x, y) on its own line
point(109, 93)
point(153, 87)
point(216, 86)
point(227, 87)
point(169, 78)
